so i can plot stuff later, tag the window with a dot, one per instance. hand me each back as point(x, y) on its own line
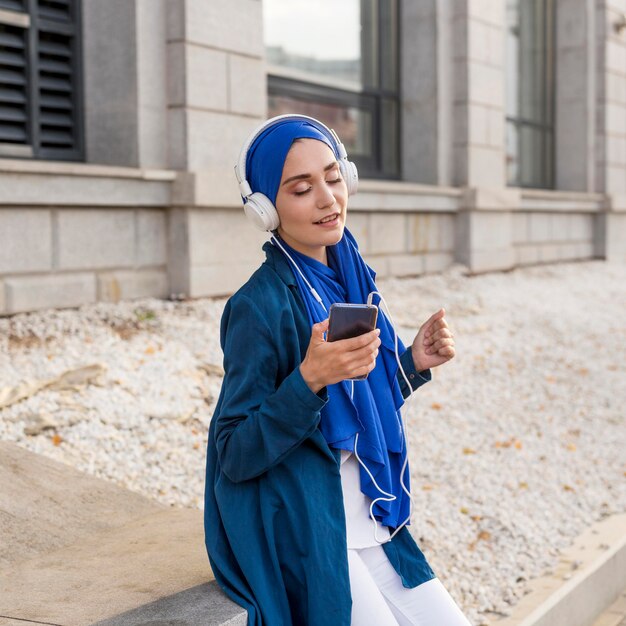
point(530, 93)
point(40, 112)
point(338, 62)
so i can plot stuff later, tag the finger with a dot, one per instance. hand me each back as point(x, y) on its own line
point(438, 345)
point(318, 330)
point(356, 343)
point(432, 319)
point(439, 334)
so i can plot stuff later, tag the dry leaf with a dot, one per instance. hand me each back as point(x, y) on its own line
point(464, 510)
point(435, 405)
point(149, 350)
point(518, 444)
point(568, 488)
point(484, 535)
point(57, 439)
point(571, 446)
point(523, 485)
point(469, 451)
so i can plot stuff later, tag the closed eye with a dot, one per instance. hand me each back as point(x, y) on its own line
point(332, 182)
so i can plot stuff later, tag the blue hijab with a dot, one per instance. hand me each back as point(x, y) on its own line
point(372, 407)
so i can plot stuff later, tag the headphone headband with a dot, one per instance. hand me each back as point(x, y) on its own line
point(240, 167)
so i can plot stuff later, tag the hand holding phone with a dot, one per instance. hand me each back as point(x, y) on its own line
point(333, 359)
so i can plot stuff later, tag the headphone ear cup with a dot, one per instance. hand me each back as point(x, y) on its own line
point(350, 175)
point(261, 212)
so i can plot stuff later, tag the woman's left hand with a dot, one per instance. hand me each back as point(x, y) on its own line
point(434, 343)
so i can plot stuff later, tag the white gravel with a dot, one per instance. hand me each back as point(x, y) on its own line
point(517, 444)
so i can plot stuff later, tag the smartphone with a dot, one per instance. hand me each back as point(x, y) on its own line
point(351, 320)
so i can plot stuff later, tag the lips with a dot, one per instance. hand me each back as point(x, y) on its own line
point(328, 218)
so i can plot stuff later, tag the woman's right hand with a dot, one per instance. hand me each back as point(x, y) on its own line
point(329, 362)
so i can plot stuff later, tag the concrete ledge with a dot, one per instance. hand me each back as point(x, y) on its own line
point(590, 576)
point(204, 604)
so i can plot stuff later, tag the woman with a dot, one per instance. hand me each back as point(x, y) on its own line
point(302, 525)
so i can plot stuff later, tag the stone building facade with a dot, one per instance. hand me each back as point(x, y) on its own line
point(169, 89)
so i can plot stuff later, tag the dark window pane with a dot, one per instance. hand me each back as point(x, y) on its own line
point(353, 125)
point(320, 42)
point(530, 92)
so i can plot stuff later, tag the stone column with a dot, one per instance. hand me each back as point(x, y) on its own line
point(484, 230)
point(575, 105)
point(216, 96)
point(426, 91)
point(610, 231)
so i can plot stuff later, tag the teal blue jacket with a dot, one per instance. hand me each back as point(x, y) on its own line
point(274, 520)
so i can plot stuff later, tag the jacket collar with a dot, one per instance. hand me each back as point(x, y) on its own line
point(276, 259)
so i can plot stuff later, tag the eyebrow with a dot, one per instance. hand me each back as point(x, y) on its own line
point(302, 176)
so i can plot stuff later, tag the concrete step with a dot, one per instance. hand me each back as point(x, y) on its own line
point(45, 505)
point(615, 615)
point(590, 576)
point(112, 561)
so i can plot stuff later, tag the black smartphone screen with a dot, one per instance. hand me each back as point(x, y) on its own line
point(350, 320)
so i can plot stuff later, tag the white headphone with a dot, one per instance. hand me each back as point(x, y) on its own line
point(258, 207)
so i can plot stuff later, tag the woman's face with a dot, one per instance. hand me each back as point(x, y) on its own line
point(311, 189)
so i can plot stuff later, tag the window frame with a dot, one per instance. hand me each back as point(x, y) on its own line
point(368, 99)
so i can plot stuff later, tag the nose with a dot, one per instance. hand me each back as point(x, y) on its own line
point(325, 197)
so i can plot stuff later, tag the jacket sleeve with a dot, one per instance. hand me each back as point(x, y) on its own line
point(259, 422)
point(417, 379)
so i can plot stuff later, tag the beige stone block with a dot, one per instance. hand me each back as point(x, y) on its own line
point(491, 230)
point(492, 259)
point(486, 167)
point(214, 140)
point(219, 279)
point(234, 25)
point(486, 85)
point(520, 228)
point(540, 227)
point(581, 226)
point(560, 227)
point(95, 238)
point(616, 179)
point(527, 254)
point(406, 264)
point(437, 261)
point(388, 233)
point(379, 263)
point(424, 232)
point(222, 237)
point(358, 225)
point(247, 87)
point(446, 225)
point(25, 240)
point(125, 285)
point(207, 78)
point(30, 293)
point(550, 252)
point(584, 250)
point(2, 299)
point(151, 237)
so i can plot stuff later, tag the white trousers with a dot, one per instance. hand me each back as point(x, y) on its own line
point(380, 599)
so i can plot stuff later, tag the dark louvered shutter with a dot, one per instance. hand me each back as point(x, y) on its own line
point(58, 98)
point(13, 85)
point(13, 5)
point(40, 102)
